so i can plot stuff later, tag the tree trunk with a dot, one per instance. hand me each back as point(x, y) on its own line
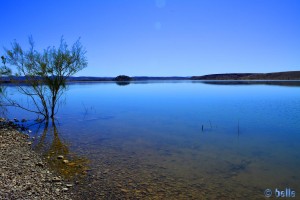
point(53, 107)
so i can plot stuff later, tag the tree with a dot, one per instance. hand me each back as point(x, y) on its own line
point(123, 78)
point(4, 70)
point(45, 73)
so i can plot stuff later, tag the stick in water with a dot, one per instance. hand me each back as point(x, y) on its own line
point(238, 127)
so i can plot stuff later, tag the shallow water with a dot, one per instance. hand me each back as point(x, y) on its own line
point(176, 140)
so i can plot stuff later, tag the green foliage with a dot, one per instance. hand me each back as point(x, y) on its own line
point(122, 78)
point(46, 72)
point(4, 70)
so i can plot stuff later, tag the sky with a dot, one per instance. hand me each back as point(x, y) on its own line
point(162, 37)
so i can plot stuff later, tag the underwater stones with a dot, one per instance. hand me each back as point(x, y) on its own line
point(22, 128)
point(71, 164)
point(65, 161)
point(60, 157)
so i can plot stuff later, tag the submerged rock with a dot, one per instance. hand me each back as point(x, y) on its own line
point(56, 179)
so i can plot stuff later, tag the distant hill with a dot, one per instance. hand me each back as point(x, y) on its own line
point(291, 75)
point(151, 78)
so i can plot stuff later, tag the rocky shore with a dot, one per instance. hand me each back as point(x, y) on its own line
point(24, 174)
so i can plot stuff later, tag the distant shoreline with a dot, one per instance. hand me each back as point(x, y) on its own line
point(274, 76)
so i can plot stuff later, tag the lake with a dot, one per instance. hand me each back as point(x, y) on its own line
point(174, 139)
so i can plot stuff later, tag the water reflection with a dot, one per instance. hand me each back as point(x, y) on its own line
point(122, 83)
point(3, 109)
point(230, 82)
point(57, 153)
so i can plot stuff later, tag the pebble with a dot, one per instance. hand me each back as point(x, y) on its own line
point(56, 179)
point(124, 190)
point(40, 164)
point(25, 158)
point(23, 173)
point(65, 161)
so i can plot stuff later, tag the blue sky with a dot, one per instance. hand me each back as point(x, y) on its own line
point(163, 37)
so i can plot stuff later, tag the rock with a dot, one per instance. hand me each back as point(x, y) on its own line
point(25, 158)
point(69, 185)
point(21, 175)
point(56, 179)
point(65, 161)
point(60, 157)
point(71, 164)
point(57, 191)
point(23, 120)
point(124, 190)
point(40, 164)
point(149, 190)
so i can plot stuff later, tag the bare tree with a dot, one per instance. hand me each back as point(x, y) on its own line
point(45, 73)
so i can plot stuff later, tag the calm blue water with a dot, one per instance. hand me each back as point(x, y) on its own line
point(183, 140)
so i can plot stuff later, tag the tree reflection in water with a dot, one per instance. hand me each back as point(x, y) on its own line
point(70, 166)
